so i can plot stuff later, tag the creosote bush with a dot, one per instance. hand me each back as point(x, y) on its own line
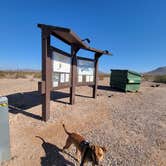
point(160, 79)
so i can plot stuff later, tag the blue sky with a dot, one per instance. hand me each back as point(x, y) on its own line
point(134, 30)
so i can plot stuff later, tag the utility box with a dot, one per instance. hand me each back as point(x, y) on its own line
point(125, 80)
point(4, 130)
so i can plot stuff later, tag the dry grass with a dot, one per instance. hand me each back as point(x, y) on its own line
point(2, 74)
point(37, 75)
point(158, 78)
point(147, 77)
point(25, 74)
point(19, 74)
point(103, 75)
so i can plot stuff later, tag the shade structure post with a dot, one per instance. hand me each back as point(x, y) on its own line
point(46, 74)
point(74, 51)
point(97, 56)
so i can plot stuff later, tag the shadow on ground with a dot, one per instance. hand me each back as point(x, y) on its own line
point(53, 156)
point(109, 88)
point(20, 102)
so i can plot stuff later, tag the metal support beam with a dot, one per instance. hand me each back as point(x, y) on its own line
point(46, 74)
point(97, 56)
point(74, 51)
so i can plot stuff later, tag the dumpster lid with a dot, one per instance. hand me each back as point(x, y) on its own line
point(129, 71)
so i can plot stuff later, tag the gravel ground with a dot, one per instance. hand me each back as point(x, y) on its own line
point(131, 125)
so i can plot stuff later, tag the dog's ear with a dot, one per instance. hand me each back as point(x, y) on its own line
point(104, 148)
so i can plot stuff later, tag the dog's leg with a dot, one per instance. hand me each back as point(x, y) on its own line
point(83, 156)
point(68, 143)
point(77, 154)
point(82, 163)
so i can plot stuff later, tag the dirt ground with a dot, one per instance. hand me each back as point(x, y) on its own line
point(131, 125)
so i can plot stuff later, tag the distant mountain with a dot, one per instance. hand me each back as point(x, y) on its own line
point(158, 71)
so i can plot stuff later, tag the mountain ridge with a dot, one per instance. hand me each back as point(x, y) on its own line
point(158, 71)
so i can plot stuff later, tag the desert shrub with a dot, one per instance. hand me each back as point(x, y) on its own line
point(103, 75)
point(160, 79)
point(37, 75)
point(148, 78)
point(20, 74)
point(2, 74)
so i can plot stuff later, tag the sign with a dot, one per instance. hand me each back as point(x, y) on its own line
point(55, 79)
point(61, 63)
point(61, 68)
point(85, 69)
point(80, 78)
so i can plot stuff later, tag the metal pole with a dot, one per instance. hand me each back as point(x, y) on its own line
point(4, 130)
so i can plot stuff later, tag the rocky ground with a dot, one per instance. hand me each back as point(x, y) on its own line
point(131, 125)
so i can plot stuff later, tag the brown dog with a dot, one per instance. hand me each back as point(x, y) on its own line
point(92, 153)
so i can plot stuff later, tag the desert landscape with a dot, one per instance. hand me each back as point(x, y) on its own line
point(132, 126)
point(98, 67)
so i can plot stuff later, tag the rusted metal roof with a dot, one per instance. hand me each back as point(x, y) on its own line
point(69, 37)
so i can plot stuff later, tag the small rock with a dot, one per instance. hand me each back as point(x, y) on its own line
point(156, 85)
point(111, 95)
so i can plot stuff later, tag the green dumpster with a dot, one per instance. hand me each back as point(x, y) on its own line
point(125, 80)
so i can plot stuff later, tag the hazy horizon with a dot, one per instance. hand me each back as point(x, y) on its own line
point(38, 70)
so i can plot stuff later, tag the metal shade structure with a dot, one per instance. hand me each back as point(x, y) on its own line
point(69, 37)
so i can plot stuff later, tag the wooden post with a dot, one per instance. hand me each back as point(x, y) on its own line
point(74, 50)
point(97, 56)
point(46, 74)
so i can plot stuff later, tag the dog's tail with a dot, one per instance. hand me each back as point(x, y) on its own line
point(65, 129)
point(41, 138)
